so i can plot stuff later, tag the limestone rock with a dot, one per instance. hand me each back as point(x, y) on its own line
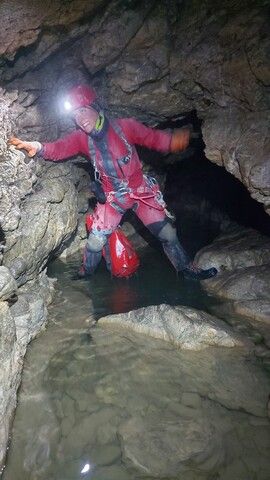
point(8, 286)
point(189, 328)
point(242, 285)
point(107, 38)
point(240, 144)
point(23, 23)
point(162, 61)
point(242, 257)
point(204, 57)
point(238, 248)
point(47, 218)
point(215, 64)
point(257, 310)
point(245, 293)
point(9, 374)
point(19, 323)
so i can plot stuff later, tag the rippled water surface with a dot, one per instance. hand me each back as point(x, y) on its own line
point(107, 404)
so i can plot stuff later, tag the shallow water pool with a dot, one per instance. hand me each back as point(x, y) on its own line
point(106, 404)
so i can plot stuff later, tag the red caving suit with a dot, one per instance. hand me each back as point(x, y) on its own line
point(119, 169)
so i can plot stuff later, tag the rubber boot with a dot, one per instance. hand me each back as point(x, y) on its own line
point(89, 264)
point(194, 273)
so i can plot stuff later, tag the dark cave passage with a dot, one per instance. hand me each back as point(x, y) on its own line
point(204, 197)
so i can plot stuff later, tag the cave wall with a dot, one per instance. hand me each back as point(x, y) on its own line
point(154, 60)
point(151, 59)
point(39, 209)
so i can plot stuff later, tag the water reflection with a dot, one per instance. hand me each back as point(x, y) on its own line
point(86, 468)
point(155, 282)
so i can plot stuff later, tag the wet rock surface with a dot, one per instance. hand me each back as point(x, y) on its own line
point(22, 315)
point(187, 415)
point(8, 285)
point(242, 284)
point(236, 248)
point(245, 295)
point(188, 328)
point(128, 406)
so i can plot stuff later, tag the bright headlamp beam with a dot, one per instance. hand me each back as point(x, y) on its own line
point(67, 105)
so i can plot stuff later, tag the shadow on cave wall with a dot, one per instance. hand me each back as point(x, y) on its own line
point(2, 239)
point(202, 195)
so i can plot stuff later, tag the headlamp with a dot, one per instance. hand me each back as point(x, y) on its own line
point(67, 105)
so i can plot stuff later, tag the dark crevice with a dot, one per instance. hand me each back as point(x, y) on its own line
point(2, 239)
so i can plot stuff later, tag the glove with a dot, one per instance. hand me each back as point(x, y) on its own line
point(180, 140)
point(32, 148)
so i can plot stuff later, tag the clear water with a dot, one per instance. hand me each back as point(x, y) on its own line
point(155, 282)
point(107, 404)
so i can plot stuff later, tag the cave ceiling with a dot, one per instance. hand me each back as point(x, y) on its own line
point(152, 59)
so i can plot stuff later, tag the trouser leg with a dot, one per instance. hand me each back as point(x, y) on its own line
point(157, 222)
point(93, 252)
point(155, 219)
point(166, 233)
point(105, 220)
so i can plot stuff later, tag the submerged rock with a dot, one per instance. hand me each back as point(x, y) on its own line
point(163, 446)
point(189, 328)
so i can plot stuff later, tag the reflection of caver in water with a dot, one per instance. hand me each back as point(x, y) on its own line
point(118, 170)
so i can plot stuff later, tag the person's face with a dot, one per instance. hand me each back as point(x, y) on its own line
point(85, 118)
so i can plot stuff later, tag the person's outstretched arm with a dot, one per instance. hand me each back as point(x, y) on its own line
point(66, 147)
point(161, 140)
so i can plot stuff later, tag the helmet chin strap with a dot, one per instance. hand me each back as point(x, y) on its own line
point(100, 122)
point(101, 127)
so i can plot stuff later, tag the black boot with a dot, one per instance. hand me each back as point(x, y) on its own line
point(195, 273)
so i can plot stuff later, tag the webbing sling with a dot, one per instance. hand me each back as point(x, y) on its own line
point(105, 153)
